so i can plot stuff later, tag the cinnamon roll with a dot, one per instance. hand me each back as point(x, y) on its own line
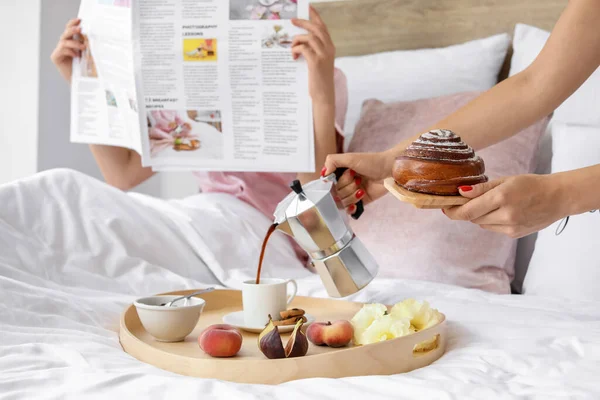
point(437, 163)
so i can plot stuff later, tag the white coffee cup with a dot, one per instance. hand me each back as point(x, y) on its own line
point(269, 297)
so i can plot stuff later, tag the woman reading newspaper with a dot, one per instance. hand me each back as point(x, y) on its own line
point(122, 168)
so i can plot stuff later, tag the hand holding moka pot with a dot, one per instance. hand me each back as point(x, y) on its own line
point(319, 224)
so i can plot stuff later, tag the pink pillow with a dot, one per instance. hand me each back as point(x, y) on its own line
point(410, 243)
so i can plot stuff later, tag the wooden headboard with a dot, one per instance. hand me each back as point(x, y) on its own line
point(360, 27)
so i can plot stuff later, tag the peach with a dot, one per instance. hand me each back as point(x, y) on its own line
point(336, 334)
point(220, 340)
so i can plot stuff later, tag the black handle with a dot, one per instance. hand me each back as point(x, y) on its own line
point(360, 208)
point(296, 186)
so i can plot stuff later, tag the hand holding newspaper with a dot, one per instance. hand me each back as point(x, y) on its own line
point(195, 85)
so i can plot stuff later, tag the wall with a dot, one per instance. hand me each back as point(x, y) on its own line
point(54, 148)
point(19, 54)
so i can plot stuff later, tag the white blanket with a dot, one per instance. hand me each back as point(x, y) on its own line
point(75, 252)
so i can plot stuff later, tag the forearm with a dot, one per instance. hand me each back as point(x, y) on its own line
point(569, 57)
point(325, 138)
point(121, 168)
point(501, 112)
point(497, 114)
point(579, 190)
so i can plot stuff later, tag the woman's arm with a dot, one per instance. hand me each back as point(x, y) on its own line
point(582, 188)
point(318, 50)
point(120, 167)
point(570, 56)
point(520, 205)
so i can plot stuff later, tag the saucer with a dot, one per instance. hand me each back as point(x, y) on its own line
point(237, 319)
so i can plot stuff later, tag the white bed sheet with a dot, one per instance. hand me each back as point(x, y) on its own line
point(74, 253)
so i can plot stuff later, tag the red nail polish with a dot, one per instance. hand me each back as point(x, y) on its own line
point(352, 173)
point(323, 171)
point(466, 188)
point(360, 193)
point(352, 209)
point(358, 181)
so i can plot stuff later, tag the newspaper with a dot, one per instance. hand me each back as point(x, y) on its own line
point(195, 84)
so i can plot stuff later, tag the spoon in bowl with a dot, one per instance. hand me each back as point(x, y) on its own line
point(170, 303)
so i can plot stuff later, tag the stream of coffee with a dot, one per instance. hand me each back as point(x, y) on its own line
point(262, 251)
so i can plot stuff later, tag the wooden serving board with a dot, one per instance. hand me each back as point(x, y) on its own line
point(421, 200)
point(251, 366)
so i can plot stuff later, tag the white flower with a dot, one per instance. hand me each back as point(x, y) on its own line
point(420, 314)
point(384, 328)
point(365, 316)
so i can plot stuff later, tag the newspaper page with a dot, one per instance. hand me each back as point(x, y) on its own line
point(217, 87)
point(104, 105)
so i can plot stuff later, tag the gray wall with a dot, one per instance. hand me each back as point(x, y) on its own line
point(54, 148)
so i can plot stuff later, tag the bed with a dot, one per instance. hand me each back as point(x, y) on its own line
point(65, 279)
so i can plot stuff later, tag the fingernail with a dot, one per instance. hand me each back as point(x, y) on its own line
point(323, 171)
point(352, 173)
point(352, 209)
point(444, 211)
point(358, 181)
point(465, 188)
point(360, 193)
point(337, 199)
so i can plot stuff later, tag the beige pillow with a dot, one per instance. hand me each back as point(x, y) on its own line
point(410, 243)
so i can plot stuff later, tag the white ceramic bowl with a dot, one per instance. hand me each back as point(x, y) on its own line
point(169, 324)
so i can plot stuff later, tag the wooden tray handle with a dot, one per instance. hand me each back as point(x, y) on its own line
point(426, 346)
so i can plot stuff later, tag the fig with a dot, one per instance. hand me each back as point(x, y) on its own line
point(297, 345)
point(271, 345)
point(269, 341)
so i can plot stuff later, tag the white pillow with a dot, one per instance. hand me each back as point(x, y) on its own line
point(417, 74)
point(583, 106)
point(568, 265)
point(526, 245)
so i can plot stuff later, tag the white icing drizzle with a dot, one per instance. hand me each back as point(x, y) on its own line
point(438, 133)
point(447, 144)
point(449, 150)
point(462, 160)
point(426, 142)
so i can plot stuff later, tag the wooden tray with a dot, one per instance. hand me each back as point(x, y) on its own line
point(421, 200)
point(251, 366)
